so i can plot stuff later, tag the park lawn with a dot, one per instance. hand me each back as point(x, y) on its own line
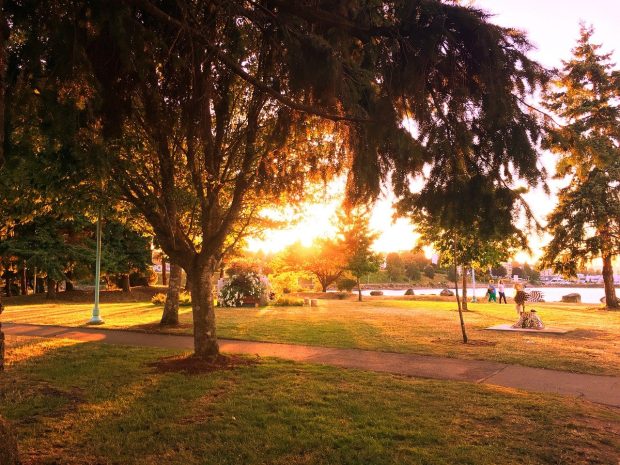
point(408, 326)
point(86, 403)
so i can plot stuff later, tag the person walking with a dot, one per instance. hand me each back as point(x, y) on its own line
point(502, 291)
point(492, 293)
point(520, 299)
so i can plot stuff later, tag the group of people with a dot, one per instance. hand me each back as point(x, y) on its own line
point(528, 320)
point(492, 292)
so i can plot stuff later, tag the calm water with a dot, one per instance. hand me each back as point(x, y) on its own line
point(589, 295)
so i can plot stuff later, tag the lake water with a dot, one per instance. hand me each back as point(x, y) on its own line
point(589, 295)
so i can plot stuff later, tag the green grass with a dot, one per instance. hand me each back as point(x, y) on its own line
point(408, 326)
point(87, 403)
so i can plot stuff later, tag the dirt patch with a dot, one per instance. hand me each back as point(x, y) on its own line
point(194, 366)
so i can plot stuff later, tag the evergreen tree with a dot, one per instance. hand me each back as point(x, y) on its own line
point(586, 222)
point(356, 240)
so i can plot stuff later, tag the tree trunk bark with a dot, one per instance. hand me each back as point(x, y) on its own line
point(203, 309)
point(1, 338)
point(125, 282)
point(464, 304)
point(359, 290)
point(458, 300)
point(170, 316)
point(51, 288)
point(7, 285)
point(164, 275)
point(69, 286)
point(611, 300)
point(24, 279)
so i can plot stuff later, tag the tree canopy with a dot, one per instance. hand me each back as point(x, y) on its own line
point(202, 112)
point(586, 221)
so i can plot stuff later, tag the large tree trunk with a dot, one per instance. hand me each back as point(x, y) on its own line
point(24, 279)
point(164, 276)
point(170, 317)
point(359, 290)
point(203, 309)
point(608, 278)
point(1, 338)
point(125, 286)
point(464, 304)
point(51, 288)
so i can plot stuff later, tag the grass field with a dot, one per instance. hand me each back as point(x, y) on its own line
point(86, 403)
point(420, 327)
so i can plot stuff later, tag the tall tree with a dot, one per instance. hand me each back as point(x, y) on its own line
point(239, 100)
point(357, 239)
point(325, 258)
point(586, 221)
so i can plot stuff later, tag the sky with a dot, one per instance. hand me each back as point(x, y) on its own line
point(553, 28)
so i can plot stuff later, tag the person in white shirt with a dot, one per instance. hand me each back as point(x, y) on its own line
point(502, 291)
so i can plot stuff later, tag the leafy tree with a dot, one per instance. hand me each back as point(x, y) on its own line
point(357, 240)
point(124, 250)
point(499, 270)
point(325, 259)
point(239, 102)
point(429, 271)
point(586, 221)
point(394, 266)
point(414, 263)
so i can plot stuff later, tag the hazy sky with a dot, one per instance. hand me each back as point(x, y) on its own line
point(553, 28)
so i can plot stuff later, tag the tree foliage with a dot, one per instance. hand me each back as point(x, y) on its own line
point(206, 111)
point(586, 221)
point(357, 240)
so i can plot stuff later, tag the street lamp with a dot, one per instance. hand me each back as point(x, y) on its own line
point(96, 319)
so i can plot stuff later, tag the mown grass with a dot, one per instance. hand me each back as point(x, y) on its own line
point(87, 403)
point(420, 327)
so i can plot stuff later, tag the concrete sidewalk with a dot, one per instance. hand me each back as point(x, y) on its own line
point(600, 389)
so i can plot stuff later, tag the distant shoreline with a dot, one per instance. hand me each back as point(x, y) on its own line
point(509, 285)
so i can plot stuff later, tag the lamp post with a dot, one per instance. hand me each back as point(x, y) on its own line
point(96, 319)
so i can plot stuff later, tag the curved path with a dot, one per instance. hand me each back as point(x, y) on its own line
point(600, 389)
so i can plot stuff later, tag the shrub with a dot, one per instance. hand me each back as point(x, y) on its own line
point(289, 302)
point(185, 299)
point(346, 284)
point(240, 287)
point(341, 295)
point(159, 299)
point(429, 272)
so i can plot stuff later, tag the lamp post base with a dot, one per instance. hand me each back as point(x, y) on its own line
point(95, 321)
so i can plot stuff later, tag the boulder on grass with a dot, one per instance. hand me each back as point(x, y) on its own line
point(446, 293)
point(409, 292)
point(8, 444)
point(603, 300)
point(573, 297)
point(375, 293)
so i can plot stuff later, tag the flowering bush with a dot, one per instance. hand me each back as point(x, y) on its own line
point(241, 287)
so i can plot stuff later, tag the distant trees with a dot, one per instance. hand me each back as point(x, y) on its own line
point(325, 259)
point(395, 267)
point(357, 240)
point(586, 221)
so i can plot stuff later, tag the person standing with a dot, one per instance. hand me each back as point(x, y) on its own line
point(502, 291)
point(520, 298)
point(492, 292)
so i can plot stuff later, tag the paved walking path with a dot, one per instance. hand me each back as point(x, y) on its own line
point(600, 389)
